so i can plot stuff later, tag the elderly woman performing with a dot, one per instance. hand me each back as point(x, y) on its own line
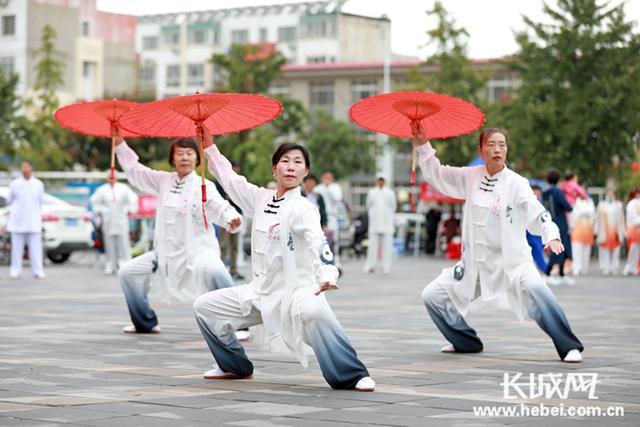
point(292, 266)
point(496, 261)
point(185, 261)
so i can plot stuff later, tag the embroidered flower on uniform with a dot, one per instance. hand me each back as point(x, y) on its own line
point(274, 232)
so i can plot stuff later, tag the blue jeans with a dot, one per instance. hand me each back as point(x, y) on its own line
point(135, 276)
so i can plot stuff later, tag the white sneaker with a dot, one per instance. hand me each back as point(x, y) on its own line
point(553, 281)
point(14, 276)
point(566, 280)
point(365, 384)
point(218, 374)
point(574, 356)
point(40, 276)
point(131, 329)
point(243, 335)
point(449, 348)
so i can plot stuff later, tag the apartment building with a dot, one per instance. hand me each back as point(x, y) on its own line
point(98, 48)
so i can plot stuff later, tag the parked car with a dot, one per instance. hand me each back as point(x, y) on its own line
point(65, 227)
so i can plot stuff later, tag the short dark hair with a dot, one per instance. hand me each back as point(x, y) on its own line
point(183, 143)
point(553, 176)
point(569, 175)
point(309, 177)
point(285, 148)
point(486, 133)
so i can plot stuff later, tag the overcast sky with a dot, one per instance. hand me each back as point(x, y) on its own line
point(490, 23)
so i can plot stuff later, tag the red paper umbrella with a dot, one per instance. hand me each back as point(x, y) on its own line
point(187, 116)
point(96, 118)
point(441, 116)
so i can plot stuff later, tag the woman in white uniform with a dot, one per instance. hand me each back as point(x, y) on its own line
point(292, 266)
point(496, 261)
point(113, 202)
point(185, 261)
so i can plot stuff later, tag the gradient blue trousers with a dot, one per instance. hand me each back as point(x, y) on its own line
point(219, 315)
point(542, 306)
point(135, 277)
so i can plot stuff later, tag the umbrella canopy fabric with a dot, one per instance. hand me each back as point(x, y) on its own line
point(221, 113)
point(441, 116)
point(94, 117)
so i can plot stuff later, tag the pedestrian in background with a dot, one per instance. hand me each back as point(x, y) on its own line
point(610, 232)
point(557, 204)
point(582, 239)
point(309, 183)
point(26, 196)
point(381, 208)
point(113, 202)
point(633, 234)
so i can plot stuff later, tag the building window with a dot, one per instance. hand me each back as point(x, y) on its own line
point(286, 34)
point(361, 89)
point(8, 25)
point(216, 37)
point(318, 29)
point(198, 36)
point(321, 95)
point(263, 35)
point(280, 88)
point(173, 75)
point(240, 36)
point(499, 87)
point(147, 73)
point(171, 38)
point(149, 43)
point(7, 66)
point(86, 29)
point(195, 74)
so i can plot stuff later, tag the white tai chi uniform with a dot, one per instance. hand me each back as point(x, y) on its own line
point(582, 239)
point(633, 236)
point(381, 208)
point(496, 262)
point(25, 223)
point(610, 231)
point(332, 195)
point(185, 261)
point(114, 203)
point(290, 259)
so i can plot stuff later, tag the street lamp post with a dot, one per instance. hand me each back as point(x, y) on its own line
point(384, 161)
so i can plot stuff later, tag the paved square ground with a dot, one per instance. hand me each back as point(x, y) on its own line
point(64, 360)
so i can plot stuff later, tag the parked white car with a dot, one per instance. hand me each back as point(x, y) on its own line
point(65, 227)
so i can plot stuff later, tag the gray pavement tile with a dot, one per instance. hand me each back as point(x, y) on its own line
point(59, 414)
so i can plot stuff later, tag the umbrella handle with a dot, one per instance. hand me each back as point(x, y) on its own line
point(413, 173)
point(203, 186)
point(112, 169)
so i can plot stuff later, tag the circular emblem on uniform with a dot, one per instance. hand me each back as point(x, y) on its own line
point(326, 256)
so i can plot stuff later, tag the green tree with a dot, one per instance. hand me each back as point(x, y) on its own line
point(15, 128)
point(48, 146)
point(455, 76)
point(249, 68)
point(578, 105)
point(337, 147)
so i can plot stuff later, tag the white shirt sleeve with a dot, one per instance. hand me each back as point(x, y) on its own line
point(538, 219)
point(448, 180)
point(242, 192)
point(306, 224)
point(218, 209)
point(142, 177)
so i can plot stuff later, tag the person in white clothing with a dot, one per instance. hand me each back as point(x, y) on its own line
point(633, 235)
point(496, 265)
point(185, 261)
point(25, 221)
point(292, 265)
point(381, 208)
point(582, 239)
point(610, 231)
point(112, 203)
point(331, 192)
